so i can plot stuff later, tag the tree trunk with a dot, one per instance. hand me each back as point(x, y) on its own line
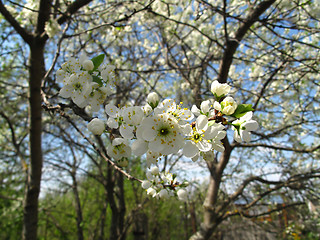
point(77, 205)
point(30, 208)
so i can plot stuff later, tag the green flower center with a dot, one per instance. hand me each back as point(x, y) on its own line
point(77, 86)
point(196, 137)
point(164, 131)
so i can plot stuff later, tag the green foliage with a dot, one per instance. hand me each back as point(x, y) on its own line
point(97, 61)
point(242, 109)
point(58, 221)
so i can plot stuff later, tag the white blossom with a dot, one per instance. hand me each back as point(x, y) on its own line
point(52, 27)
point(119, 148)
point(151, 191)
point(243, 126)
point(219, 90)
point(77, 87)
point(154, 170)
point(206, 108)
point(163, 193)
point(88, 65)
point(170, 107)
point(203, 138)
point(162, 133)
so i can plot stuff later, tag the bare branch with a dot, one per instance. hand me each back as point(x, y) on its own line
point(278, 147)
point(233, 43)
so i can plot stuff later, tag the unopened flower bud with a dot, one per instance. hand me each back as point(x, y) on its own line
point(219, 90)
point(96, 126)
point(227, 106)
point(88, 65)
point(153, 99)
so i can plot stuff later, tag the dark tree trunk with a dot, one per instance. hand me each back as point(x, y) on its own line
point(36, 73)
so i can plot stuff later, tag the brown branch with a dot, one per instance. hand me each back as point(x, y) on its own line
point(102, 153)
point(26, 36)
point(43, 16)
point(14, 141)
point(277, 147)
point(277, 209)
point(233, 43)
point(71, 9)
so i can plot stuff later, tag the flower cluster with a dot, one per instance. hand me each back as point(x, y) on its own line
point(87, 82)
point(159, 128)
point(164, 185)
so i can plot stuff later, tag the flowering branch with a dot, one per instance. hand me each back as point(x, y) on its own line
point(157, 129)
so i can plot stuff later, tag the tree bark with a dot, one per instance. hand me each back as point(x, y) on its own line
point(78, 208)
point(36, 73)
point(36, 42)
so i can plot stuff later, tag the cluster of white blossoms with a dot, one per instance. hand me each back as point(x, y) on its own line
point(87, 82)
point(159, 128)
point(164, 185)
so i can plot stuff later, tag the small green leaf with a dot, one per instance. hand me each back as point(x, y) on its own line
point(97, 80)
point(97, 61)
point(242, 109)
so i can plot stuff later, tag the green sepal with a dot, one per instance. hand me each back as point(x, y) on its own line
point(211, 122)
point(97, 61)
point(218, 97)
point(242, 109)
point(237, 127)
point(154, 105)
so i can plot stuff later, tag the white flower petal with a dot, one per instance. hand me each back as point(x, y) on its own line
point(146, 184)
point(217, 145)
point(195, 110)
point(204, 146)
point(190, 150)
point(149, 134)
point(217, 106)
point(201, 123)
point(139, 147)
point(220, 89)
point(246, 117)
point(112, 123)
point(126, 131)
point(112, 110)
point(221, 135)
point(156, 146)
point(155, 170)
point(205, 106)
point(236, 136)
point(250, 125)
point(246, 136)
point(96, 126)
point(182, 195)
